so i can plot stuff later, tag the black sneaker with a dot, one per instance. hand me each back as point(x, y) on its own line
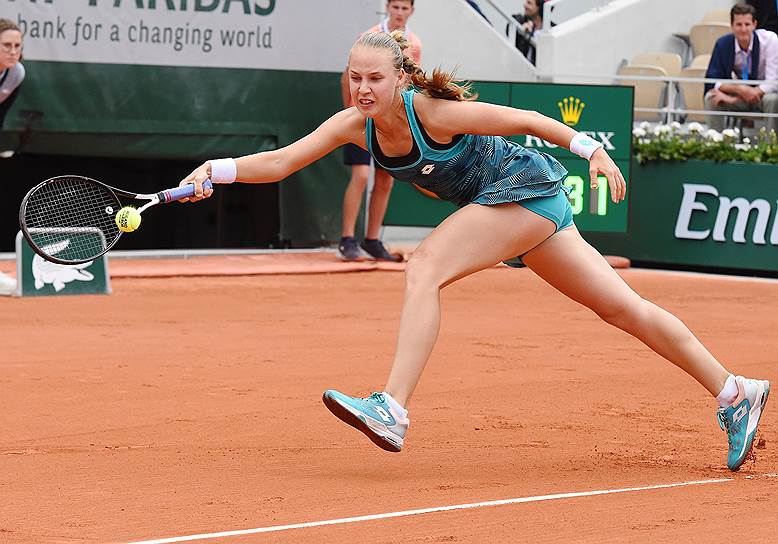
point(348, 250)
point(377, 250)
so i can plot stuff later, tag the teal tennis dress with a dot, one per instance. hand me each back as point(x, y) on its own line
point(477, 169)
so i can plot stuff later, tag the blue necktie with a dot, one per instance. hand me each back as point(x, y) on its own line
point(746, 64)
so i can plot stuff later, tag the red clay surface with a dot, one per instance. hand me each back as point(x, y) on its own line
point(179, 406)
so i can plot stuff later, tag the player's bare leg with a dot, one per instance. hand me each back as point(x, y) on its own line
point(455, 249)
point(572, 266)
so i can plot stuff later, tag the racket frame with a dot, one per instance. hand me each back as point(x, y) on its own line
point(162, 197)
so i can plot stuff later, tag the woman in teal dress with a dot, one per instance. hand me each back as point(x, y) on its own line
point(511, 202)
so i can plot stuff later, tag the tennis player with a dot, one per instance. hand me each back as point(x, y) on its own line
point(511, 203)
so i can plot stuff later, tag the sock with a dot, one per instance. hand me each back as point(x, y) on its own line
point(394, 405)
point(728, 393)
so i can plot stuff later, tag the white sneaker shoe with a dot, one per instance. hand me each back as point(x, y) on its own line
point(741, 419)
point(372, 415)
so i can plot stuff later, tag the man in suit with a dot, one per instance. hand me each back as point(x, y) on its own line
point(747, 53)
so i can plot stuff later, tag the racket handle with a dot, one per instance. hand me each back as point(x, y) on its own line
point(177, 193)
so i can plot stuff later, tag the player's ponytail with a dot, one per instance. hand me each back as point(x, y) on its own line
point(441, 85)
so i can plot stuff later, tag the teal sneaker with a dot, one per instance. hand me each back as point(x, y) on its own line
point(372, 415)
point(741, 419)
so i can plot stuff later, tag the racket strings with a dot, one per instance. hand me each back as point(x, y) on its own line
point(72, 219)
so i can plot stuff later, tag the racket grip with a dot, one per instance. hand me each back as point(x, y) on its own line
point(177, 193)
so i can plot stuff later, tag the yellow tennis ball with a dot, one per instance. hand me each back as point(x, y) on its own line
point(128, 219)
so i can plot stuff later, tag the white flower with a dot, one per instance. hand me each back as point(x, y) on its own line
point(729, 133)
point(645, 141)
point(676, 126)
point(746, 141)
point(714, 135)
point(638, 132)
point(659, 130)
point(645, 125)
point(695, 128)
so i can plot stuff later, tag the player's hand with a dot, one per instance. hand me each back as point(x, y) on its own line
point(601, 163)
point(198, 177)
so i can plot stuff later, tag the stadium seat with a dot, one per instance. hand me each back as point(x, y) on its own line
point(669, 61)
point(693, 92)
point(701, 61)
point(716, 16)
point(703, 36)
point(648, 94)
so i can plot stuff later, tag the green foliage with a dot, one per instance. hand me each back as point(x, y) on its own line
point(669, 143)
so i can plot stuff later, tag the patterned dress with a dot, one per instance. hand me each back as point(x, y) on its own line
point(485, 170)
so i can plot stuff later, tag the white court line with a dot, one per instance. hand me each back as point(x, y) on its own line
point(704, 275)
point(405, 513)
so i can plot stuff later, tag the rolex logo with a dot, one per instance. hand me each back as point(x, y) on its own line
point(571, 109)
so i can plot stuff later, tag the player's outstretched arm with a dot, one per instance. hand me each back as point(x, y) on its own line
point(276, 165)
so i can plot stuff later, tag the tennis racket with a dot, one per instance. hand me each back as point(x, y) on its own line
point(72, 219)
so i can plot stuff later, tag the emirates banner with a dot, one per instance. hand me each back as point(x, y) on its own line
point(695, 213)
point(307, 35)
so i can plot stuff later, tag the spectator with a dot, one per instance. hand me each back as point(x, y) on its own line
point(746, 53)
point(398, 11)
point(12, 73)
point(530, 22)
point(766, 13)
point(11, 78)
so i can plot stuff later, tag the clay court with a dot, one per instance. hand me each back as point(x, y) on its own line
point(191, 405)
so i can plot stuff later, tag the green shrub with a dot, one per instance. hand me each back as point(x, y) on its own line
point(674, 143)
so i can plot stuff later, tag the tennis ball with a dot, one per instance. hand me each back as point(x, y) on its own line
point(128, 219)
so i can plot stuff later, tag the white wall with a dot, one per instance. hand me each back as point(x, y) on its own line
point(596, 43)
point(453, 35)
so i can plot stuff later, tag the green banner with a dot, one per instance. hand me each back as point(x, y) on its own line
point(38, 277)
point(162, 112)
point(702, 214)
point(602, 112)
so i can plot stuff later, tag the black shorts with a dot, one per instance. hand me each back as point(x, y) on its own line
point(353, 154)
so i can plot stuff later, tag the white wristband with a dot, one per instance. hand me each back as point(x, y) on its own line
point(223, 170)
point(584, 146)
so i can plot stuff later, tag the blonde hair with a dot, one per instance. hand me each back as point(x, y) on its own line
point(7, 24)
point(441, 85)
